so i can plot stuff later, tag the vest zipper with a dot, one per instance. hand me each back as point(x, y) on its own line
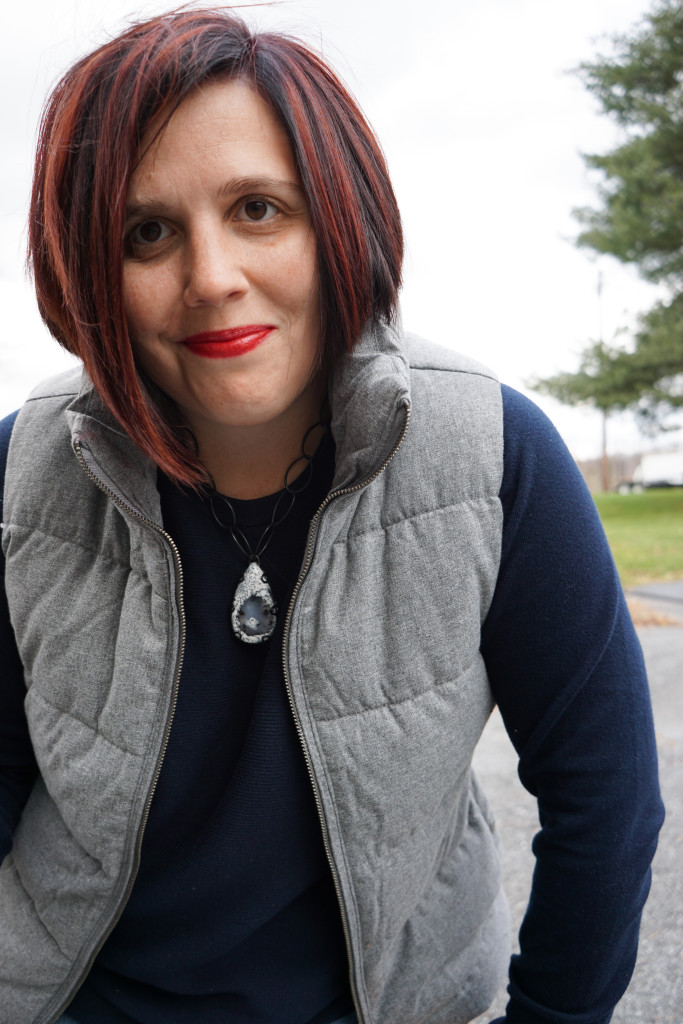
point(308, 558)
point(179, 581)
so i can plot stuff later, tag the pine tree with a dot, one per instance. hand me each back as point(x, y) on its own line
point(639, 219)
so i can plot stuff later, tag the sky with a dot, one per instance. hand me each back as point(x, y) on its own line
point(483, 125)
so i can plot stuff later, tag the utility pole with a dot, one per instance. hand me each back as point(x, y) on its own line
point(604, 461)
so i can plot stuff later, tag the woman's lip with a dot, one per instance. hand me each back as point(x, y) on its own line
point(234, 341)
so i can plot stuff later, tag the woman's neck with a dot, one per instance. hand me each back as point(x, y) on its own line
point(251, 461)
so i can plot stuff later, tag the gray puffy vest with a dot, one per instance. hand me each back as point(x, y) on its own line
point(382, 665)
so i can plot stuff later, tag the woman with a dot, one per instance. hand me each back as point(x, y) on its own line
point(269, 563)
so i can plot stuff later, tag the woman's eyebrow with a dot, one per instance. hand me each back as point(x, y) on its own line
point(232, 186)
point(237, 185)
point(146, 206)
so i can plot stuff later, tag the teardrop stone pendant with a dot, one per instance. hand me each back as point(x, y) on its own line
point(254, 612)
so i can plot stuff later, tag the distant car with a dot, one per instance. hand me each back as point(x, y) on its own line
point(658, 469)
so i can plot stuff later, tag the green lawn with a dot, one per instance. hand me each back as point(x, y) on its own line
point(645, 532)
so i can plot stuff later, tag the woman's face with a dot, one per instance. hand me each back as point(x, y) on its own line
point(220, 280)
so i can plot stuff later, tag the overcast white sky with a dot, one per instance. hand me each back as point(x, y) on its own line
point(483, 130)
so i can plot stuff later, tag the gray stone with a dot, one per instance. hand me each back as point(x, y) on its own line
point(254, 612)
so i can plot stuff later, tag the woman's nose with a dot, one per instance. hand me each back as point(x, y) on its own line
point(214, 272)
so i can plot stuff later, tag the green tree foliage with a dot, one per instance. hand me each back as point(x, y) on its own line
point(640, 217)
point(647, 381)
point(602, 381)
point(655, 367)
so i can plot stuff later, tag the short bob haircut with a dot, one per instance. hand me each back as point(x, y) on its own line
point(89, 143)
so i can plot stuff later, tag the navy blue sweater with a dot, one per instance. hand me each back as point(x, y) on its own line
point(233, 915)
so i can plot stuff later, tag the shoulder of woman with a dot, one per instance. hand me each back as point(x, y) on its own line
point(6, 427)
point(427, 355)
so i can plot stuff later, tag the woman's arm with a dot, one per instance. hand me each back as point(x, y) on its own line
point(17, 762)
point(567, 673)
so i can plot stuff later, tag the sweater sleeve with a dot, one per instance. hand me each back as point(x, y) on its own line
point(17, 761)
point(567, 672)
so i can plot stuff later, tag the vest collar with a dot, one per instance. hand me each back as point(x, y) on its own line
point(369, 393)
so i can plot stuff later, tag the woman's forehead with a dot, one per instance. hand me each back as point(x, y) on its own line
point(224, 128)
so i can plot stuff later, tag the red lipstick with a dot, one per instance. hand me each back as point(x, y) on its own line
point(225, 344)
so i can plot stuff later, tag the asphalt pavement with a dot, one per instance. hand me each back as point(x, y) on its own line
point(666, 598)
point(655, 995)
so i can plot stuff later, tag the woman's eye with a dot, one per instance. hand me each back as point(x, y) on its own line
point(257, 209)
point(149, 232)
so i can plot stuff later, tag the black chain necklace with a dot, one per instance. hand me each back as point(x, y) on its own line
point(254, 611)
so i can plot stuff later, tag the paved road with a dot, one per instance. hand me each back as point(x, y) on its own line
point(666, 598)
point(655, 995)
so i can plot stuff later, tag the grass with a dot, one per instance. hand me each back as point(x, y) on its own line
point(645, 532)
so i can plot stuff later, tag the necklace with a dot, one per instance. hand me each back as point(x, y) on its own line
point(254, 611)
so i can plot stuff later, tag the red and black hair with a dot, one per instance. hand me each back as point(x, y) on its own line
point(89, 144)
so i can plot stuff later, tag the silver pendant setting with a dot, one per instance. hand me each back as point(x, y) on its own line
point(254, 612)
